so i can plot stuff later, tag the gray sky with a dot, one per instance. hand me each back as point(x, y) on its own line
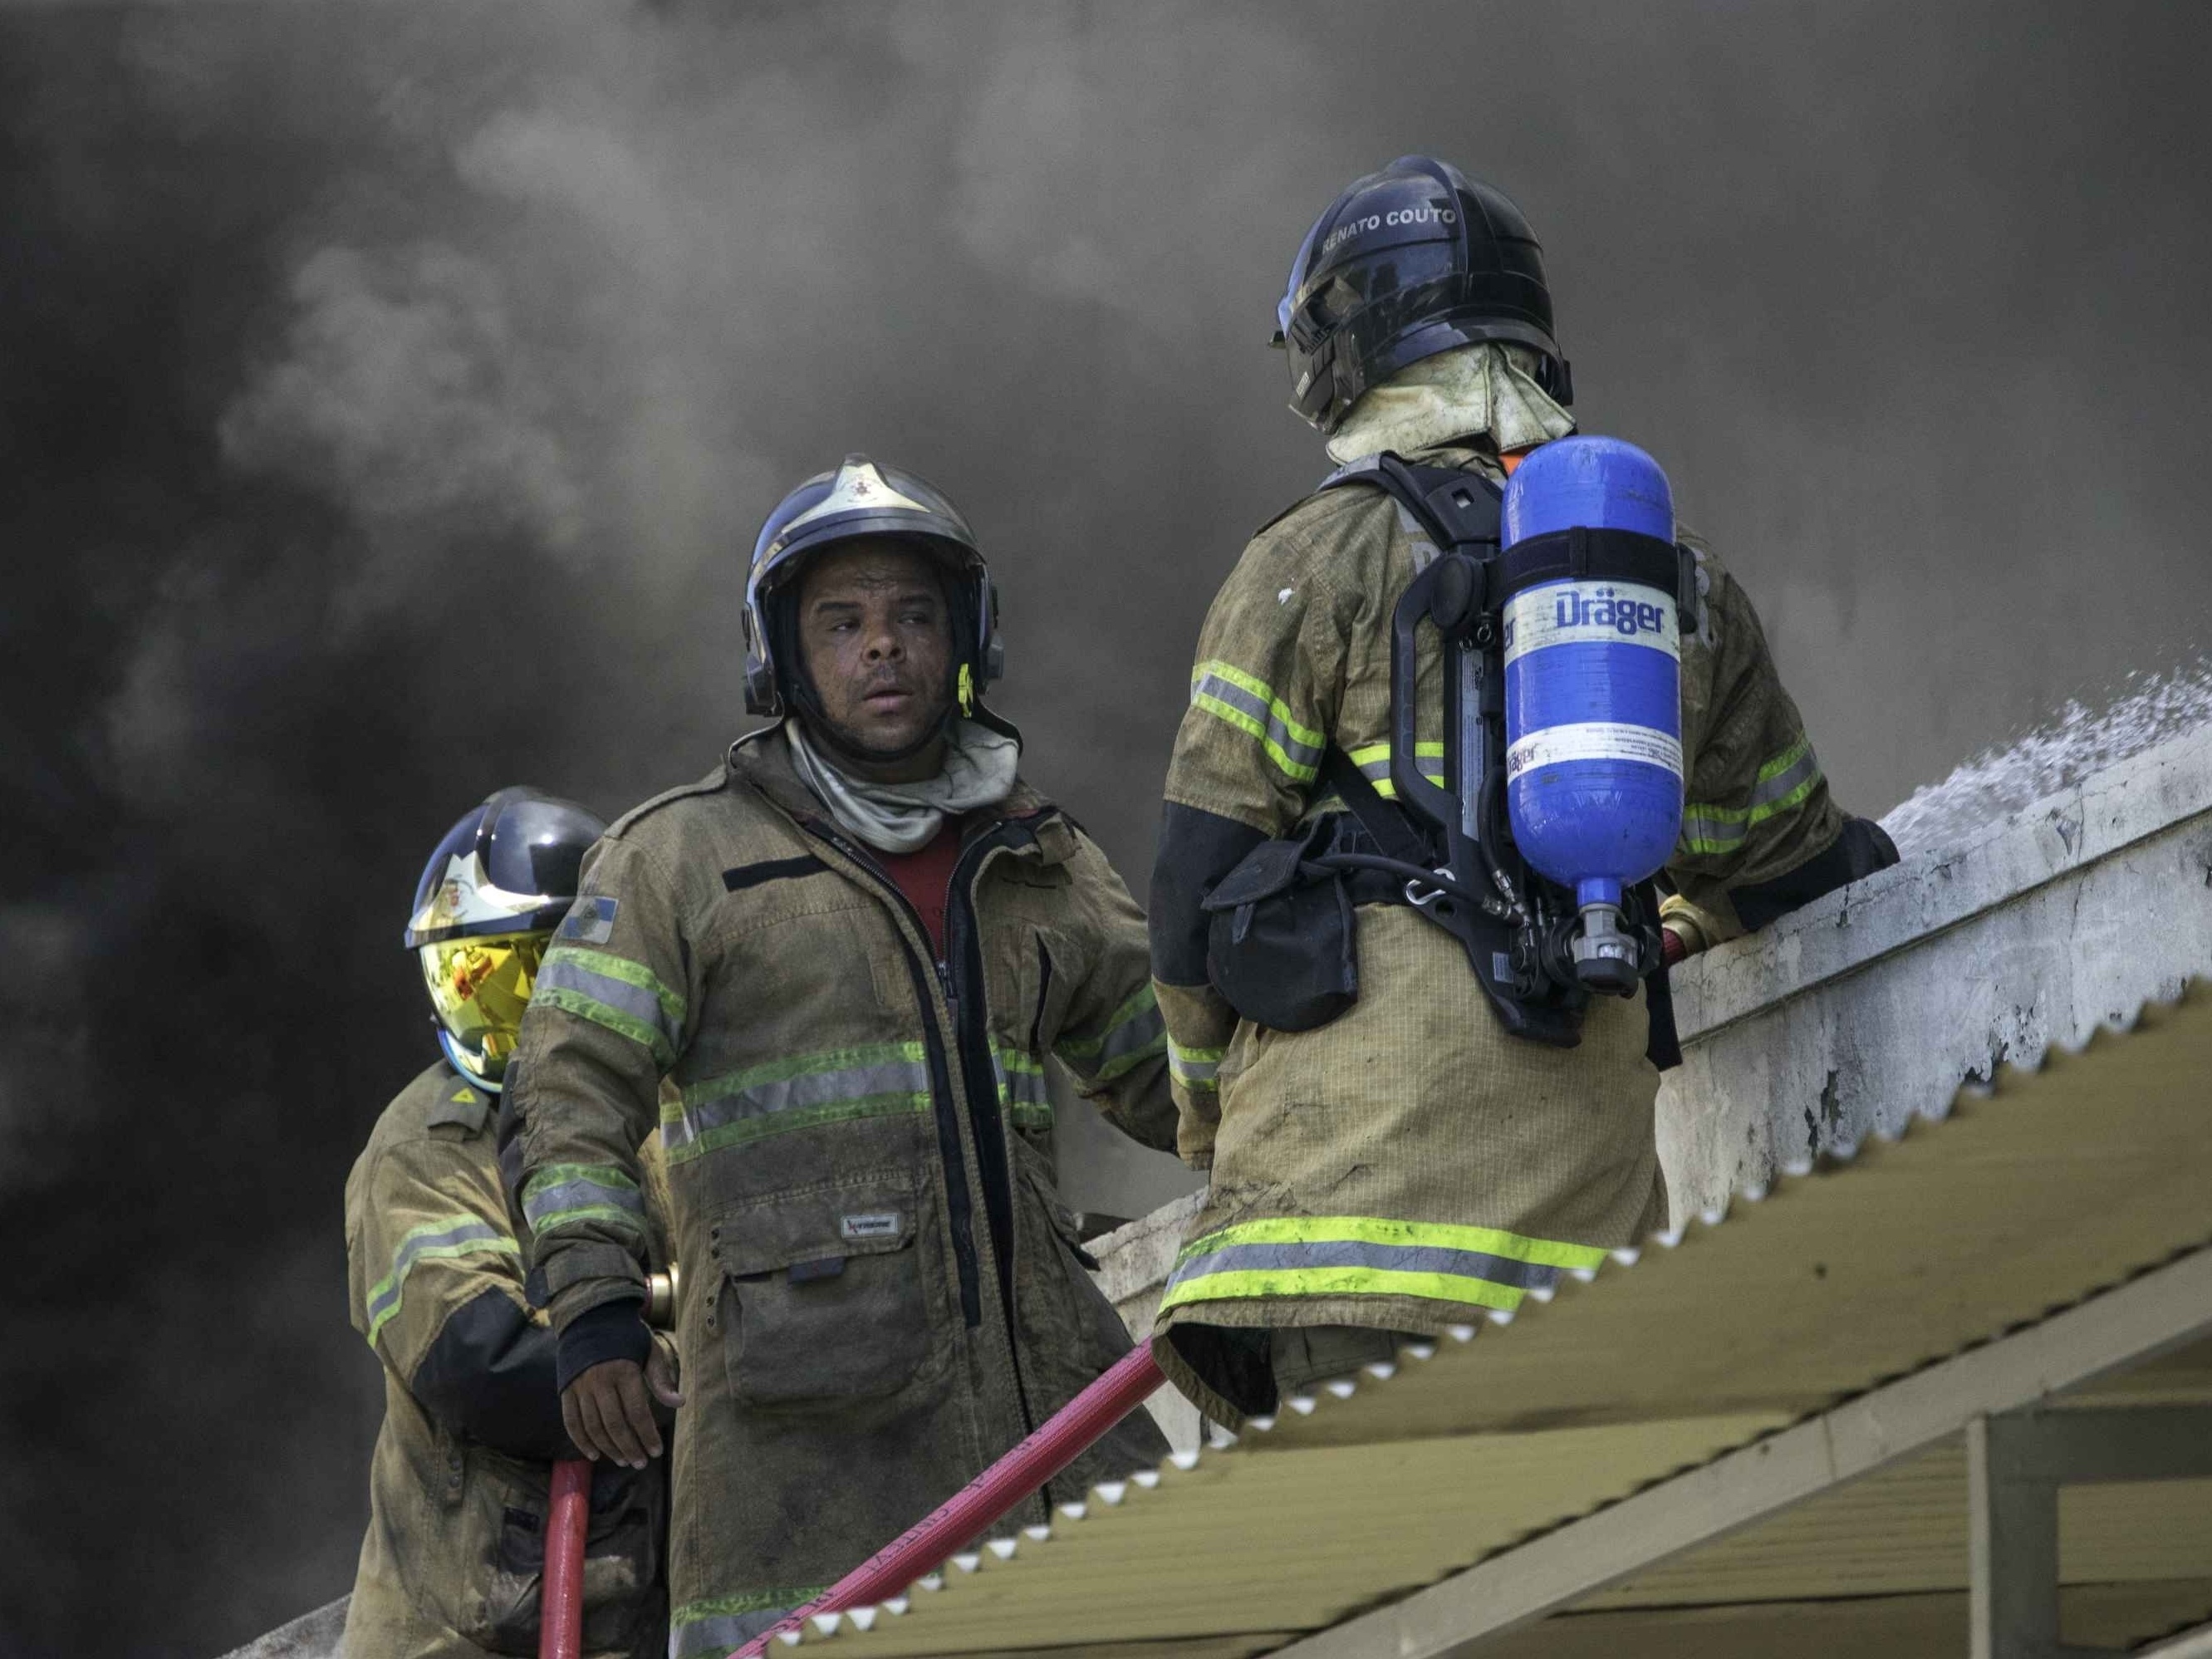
point(389, 394)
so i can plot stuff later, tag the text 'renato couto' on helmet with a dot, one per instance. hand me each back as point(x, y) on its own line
point(501, 881)
point(860, 498)
point(1408, 262)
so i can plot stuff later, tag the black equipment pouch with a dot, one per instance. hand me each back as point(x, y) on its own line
point(1282, 945)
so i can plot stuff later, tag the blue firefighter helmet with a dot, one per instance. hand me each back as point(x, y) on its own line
point(489, 899)
point(863, 497)
point(1409, 262)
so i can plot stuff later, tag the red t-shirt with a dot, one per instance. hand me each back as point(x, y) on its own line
point(925, 876)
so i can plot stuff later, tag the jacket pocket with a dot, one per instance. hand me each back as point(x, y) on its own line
point(823, 1296)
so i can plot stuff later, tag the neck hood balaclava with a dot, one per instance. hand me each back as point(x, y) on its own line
point(978, 769)
point(1465, 393)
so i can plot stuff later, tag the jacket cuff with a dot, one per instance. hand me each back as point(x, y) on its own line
point(566, 1263)
point(613, 1330)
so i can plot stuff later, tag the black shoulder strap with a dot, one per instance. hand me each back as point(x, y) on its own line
point(1382, 819)
point(1458, 508)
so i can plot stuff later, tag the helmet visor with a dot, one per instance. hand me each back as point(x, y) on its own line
point(479, 987)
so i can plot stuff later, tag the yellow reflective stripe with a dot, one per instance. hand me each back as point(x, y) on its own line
point(433, 1240)
point(1366, 1255)
point(1341, 1281)
point(1024, 1094)
point(1134, 1033)
point(1375, 1229)
point(1373, 759)
point(1784, 782)
point(567, 1194)
point(611, 991)
point(1196, 1068)
point(1250, 705)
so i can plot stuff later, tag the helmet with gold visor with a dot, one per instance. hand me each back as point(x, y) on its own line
point(489, 899)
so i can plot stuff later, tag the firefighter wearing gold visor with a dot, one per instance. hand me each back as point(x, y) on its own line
point(436, 1269)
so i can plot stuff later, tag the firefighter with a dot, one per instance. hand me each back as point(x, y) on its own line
point(851, 948)
point(457, 1484)
point(1400, 1159)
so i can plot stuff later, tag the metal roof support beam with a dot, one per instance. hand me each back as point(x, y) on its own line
point(2161, 1310)
point(2015, 1464)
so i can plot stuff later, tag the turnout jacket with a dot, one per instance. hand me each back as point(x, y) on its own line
point(1410, 1164)
point(882, 1291)
point(452, 1563)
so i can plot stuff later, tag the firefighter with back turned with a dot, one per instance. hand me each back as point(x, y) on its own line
point(1410, 1125)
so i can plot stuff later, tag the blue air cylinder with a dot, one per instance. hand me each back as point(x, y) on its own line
point(1593, 682)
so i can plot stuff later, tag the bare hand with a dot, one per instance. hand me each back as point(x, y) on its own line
point(608, 1413)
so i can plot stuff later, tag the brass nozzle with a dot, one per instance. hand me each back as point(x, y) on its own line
point(660, 1298)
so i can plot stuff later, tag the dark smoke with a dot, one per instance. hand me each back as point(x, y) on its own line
point(388, 393)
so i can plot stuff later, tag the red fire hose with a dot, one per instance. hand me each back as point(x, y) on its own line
point(569, 1515)
point(924, 1546)
point(560, 1600)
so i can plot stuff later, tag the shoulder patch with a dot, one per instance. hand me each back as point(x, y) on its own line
point(465, 1105)
point(714, 783)
point(590, 920)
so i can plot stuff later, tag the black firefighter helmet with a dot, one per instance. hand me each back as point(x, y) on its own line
point(486, 903)
point(1409, 262)
point(863, 497)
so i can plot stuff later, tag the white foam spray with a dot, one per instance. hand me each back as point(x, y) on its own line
point(2079, 740)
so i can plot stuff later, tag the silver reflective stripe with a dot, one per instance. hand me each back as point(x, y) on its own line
point(1792, 777)
point(1704, 834)
point(1378, 1258)
point(565, 973)
point(1200, 1067)
point(1709, 828)
point(712, 1107)
point(384, 1300)
point(1298, 756)
point(579, 1193)
point(1138, 1037)
point(1020, 1082)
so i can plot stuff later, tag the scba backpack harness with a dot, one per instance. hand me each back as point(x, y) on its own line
point(1282, 939)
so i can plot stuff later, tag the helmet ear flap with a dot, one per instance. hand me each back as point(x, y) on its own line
point(994, 646)
point(760, 689)
point(761, 697)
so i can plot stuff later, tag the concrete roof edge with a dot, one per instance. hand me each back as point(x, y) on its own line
point(2145, 795)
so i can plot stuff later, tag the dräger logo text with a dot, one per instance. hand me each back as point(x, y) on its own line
point(1602, 608)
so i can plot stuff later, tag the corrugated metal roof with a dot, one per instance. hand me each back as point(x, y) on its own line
point(2037, 1193)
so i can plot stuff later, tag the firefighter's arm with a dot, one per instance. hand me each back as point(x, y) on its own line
point(1760, 834)
point(1110, 1036)
point(436, 1285)
point(605, 1021)
point(1263, 699)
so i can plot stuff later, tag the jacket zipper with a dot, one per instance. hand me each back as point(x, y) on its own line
point(963, 963)
point(958, 1199)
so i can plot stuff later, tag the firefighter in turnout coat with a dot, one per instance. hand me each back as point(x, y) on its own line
point(457, 1484)
point(1410, 1164)
point(852, 949)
